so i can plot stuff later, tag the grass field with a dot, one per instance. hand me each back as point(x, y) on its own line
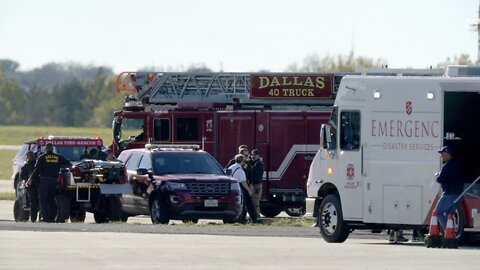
point(6, 157)
point(7, 196)
point(16, 135)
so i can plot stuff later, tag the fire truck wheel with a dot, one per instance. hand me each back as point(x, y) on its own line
point(157, 211)
point(20, 214)
point(63, 208)
point(77, 216)
point(330, 220)
point(295, 211)
point(270, 210)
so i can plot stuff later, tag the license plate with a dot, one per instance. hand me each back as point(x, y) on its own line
point(211, 203)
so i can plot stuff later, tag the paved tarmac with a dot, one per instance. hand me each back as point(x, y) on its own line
point(6, 186)
point(83, 250)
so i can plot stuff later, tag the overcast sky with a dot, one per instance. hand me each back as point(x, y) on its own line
point(237, 35)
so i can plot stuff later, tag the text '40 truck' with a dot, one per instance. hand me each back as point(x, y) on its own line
point(378, 155)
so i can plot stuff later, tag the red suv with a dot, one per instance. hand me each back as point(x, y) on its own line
point(179, 182)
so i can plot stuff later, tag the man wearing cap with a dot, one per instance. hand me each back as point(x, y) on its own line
point(47, 169)
point(255, 179)
point(451, 180)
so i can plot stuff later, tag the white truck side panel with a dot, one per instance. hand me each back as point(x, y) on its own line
point(401, 132)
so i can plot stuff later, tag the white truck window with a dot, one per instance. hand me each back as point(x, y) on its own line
point(350, 130)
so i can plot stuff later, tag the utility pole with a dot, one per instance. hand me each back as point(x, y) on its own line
point(476, 27)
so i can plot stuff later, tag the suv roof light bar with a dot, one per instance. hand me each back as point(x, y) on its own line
point(194, 147)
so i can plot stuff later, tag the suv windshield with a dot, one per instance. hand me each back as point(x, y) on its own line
point(185, 163)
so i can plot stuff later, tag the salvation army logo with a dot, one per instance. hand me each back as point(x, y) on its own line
point(408, 107)
point(350, 171)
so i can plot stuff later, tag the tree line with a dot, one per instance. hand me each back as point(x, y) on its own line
point(77, 95)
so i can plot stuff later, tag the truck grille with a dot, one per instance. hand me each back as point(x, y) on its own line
point(208, 188)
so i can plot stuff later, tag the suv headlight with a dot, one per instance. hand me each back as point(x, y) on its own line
point(235, 186)
point(176, 186)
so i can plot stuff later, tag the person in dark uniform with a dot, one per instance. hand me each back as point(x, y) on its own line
point(47, 169)
point(239, 174)
point(451, 180)
point(32, 187)
point(255, 178)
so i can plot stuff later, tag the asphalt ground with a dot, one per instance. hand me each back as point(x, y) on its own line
point(138, 244)
point(108, 250)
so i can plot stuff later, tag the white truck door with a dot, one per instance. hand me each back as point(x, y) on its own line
point(349, 164)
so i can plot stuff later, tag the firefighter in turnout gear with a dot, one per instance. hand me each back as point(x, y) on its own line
point(47, 170)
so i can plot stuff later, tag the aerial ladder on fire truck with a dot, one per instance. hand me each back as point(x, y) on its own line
point(235, 88)
point(214, 88)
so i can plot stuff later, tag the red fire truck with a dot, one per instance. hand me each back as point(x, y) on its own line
point(278, 113)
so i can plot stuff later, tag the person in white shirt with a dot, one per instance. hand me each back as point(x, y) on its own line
point(239, 174)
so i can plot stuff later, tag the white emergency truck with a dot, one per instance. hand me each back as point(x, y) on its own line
point(378, 155)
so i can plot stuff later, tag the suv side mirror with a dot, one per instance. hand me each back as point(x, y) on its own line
point(142, 171)
point(228, 172)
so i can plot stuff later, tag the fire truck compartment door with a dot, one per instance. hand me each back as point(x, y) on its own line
point(116, 189)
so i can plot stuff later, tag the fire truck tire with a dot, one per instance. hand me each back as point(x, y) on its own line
point(77, 216)
point(114, 209)
point(158, 211)
point(295, 211)
point(270, 210)
point(20, 214)
point(63, 208)
point(330, 220)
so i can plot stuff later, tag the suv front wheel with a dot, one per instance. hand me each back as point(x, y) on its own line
point(157, 211)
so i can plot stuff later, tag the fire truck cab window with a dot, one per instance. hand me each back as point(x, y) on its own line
point(132, 129)
point(350, 131)
point(187, 129)
point(161, 129)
